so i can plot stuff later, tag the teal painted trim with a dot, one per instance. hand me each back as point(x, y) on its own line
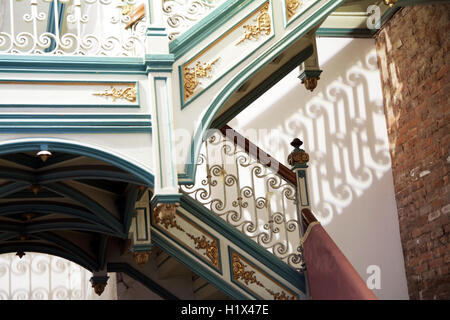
point(194, 253)
point(49, 207)
point(143, 279)
point(153, 28)
point(142, 247)
point(71, 64)
point(68, 124)
point(297, 15)
point(197, 267)
point(163, 35)
point(243, 76)
point(68, 246)
point(309, 74)
point(75, 105)
point(45, 130)
point(48, 249)
point(253, 294)
point(77, 116)
point(345, 32)
point(243, 242)
point(96, 208)
point(255, 93)
point(184, 103)
point(159, 62)
point(209, 24)
point(52, 226)
point(30, 144)
point(165, 198)
point(12, 188)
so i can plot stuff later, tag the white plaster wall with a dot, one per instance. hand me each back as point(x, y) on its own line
point(343, 128)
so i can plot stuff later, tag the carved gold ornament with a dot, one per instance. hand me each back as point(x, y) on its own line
point(291, 7)
point(191, 76)
point(390, 3)
point(263, 25)
point(168, 220)
point(164, 213)
point(212, 250)
point(99, 288)
point(249, 277)
point(127, 94)
point(310, 83)
point(141, 257)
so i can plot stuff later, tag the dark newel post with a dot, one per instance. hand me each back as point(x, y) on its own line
point(298, 160)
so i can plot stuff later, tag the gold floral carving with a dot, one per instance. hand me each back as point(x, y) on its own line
point(263, 25)
point(201, 243)
point(249, 277)
point(212, 250)
point(164, 213)
point(127, 94)
point(191, 76)
point(291, 7)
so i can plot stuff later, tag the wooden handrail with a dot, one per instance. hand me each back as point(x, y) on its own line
point(256, 152)
point(137, 14)
point(308, 217)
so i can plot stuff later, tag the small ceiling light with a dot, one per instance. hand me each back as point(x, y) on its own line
point(44, 155)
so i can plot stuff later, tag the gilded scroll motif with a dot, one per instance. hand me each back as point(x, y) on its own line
point(263, 25)
point(249, 277)
point(211, 247)
point(191, 76)
point(127, 94)
point(291, 7)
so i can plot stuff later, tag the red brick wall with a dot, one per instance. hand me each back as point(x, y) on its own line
point(414, 55)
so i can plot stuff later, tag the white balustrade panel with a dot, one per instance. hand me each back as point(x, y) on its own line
point(44, 277)
point(71, 27)
point(250, 196)
point(180, 15)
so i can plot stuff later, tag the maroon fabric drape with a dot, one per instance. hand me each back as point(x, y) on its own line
point(330, 275)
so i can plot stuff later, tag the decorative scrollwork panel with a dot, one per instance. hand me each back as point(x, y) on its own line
point(71, 27)
point(38, 276)
point(180, 15)
point(248, 195)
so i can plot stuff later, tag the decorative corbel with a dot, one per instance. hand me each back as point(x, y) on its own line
point(309, 69)
point(99, 280)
